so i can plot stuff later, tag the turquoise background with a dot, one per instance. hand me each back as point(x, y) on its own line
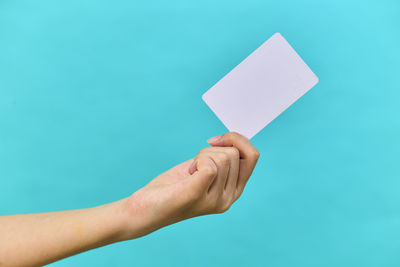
point(99, 97)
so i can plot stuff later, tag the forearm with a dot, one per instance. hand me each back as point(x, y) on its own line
point(207, 184)
point(38, 239)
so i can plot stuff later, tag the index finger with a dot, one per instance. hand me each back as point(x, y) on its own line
point(246, 149)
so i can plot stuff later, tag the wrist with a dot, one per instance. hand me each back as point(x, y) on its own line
point(133, 219)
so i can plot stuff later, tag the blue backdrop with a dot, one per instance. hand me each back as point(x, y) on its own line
point(99, 97)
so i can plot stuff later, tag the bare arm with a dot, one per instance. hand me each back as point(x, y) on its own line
point(38, 239)
point(209, 183)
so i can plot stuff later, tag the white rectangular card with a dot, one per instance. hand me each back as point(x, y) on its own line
point(261, 87)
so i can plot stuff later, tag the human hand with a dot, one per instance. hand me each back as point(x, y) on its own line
point(209, 183)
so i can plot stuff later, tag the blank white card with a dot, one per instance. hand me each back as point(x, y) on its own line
point(261, 87)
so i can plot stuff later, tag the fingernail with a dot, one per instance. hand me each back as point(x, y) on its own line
point(214, 139)
point(193, 167)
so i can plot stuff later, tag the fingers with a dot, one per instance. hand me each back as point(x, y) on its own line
point(231, 154)
point(246, 149)
point(248, 155)
point(221, 161)
point(204, 171)
point(221, 192)
point(218, 174)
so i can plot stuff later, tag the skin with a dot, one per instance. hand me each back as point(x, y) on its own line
point(207, 184)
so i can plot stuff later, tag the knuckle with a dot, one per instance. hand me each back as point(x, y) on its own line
point(210, 170)
point(255, 154)
point(238, 193)
point(223, 158)
point(234, 152)
point(224, 207)
point(234, 135)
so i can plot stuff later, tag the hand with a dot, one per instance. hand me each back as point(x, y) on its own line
point(209, 183)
